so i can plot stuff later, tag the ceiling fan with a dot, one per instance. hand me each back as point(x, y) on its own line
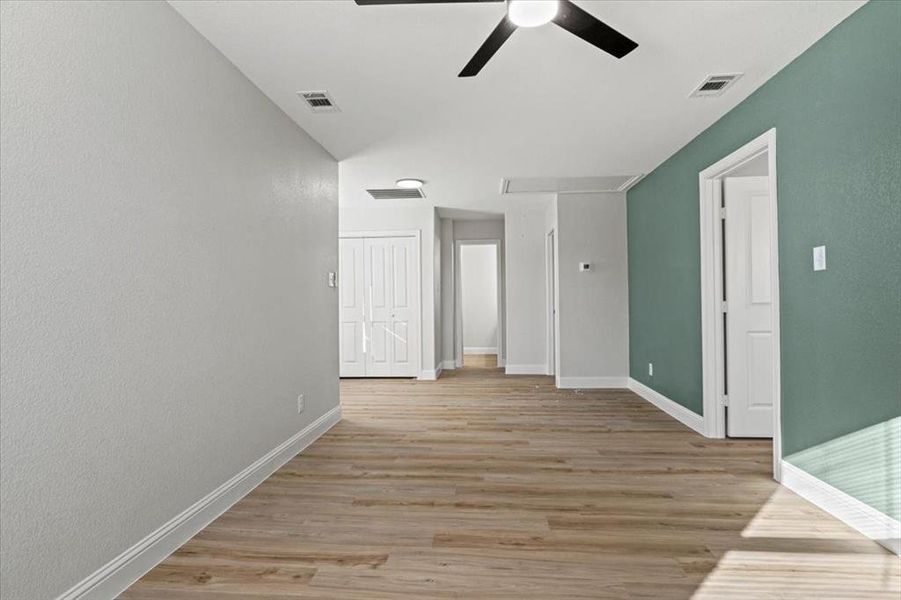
point(532, 13)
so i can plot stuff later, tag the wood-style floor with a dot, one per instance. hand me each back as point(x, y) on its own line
point(482, 485)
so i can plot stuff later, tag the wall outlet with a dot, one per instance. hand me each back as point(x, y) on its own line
point(650, 369)
point(300, 404)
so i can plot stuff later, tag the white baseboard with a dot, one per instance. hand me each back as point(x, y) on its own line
point(877, 526)
point(114, 578)
point(526, 369)
point(448, 365)
point(592, 383)
point(673, 409)
point(479, 350)
point(430, 374)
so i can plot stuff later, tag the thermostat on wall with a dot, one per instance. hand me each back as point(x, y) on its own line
point(584, 266)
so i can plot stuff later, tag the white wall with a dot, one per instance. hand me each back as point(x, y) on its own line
point(478, 278)
point(488, 229)
point(592, 306)
point(166, 234)
point(408, 218)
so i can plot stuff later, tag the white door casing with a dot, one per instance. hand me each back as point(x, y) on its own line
point(458, 299)
point(750, 342)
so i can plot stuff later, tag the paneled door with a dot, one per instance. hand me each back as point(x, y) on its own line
point(388, 322)
point(750, 344)
point(351, 310)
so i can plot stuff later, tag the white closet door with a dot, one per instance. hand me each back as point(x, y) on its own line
point(750, 345)
point(352, 351)
point(379, 307)
point(392, 318)
point(403, 319)
point(378, 285)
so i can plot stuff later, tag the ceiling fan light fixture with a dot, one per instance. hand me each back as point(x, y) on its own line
point(409, 184)
point(532, 13)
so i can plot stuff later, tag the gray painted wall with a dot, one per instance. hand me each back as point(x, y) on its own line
point(593, 306)
point(447, 293)
point(166, 233)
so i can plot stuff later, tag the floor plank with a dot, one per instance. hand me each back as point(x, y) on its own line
point(482, 485)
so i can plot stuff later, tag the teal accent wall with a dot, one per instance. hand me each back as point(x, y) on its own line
point(837, 114)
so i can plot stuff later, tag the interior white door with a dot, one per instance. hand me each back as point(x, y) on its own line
point(750, 343)
point(403, 317)
point(351, 344)
point(392, 320)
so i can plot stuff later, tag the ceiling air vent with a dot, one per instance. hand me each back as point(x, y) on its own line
point(396, 194)
point(715, 85)
point(319, 101)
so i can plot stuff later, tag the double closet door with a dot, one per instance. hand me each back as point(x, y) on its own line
point(379, 309)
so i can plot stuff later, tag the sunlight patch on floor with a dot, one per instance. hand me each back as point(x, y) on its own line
point(787, 515)
point(756, 575)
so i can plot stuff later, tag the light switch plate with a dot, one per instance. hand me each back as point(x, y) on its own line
point(819, 258)
point(332, 279)
point(584, 266)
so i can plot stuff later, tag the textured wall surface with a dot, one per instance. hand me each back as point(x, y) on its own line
point(165, 237)
point(593, 306)
point(837, 114)
point(525, 285)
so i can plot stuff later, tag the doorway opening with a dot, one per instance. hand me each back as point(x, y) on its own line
point(479, 342)
point(740, 294)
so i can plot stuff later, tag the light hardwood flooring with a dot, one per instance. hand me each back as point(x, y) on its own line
point(480, 361)
point(486, 486)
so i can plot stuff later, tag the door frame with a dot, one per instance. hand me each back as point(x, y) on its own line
point(712, 326)
point(550, 259)
point(417, 262)
point(458, 300)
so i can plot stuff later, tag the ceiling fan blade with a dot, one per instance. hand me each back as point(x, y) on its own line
point(491, 45)
point(378, 2)
point(578, 22)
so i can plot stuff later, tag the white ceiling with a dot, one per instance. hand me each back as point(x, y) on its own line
point(547, 105)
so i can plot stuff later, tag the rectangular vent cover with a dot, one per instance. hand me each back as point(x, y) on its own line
point(396, 194)
point(564, 185)
point(319, 101)
point(715, 85)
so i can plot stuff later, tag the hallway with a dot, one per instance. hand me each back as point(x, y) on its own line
point(482, 485)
